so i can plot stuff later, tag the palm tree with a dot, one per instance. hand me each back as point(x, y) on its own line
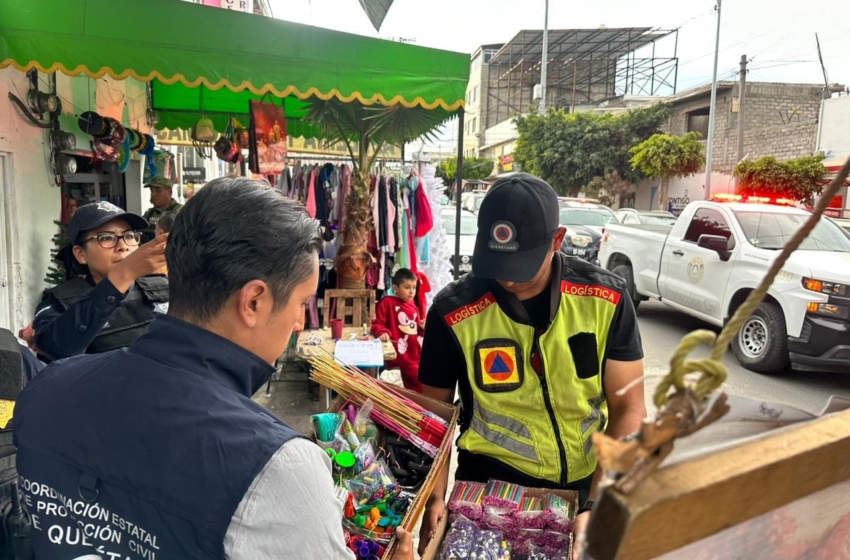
point(365, 129)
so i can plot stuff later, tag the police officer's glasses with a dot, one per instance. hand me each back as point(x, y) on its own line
point(110, 240)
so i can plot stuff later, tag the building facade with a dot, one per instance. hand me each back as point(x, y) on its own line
point(586, 68)
point(32, 189)
point(833, 142)
point(477, 93)
point(780, 120)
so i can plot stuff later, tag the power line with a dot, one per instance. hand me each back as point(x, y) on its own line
point(745, 41)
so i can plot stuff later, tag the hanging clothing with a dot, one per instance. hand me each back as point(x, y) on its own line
point(424, 217)
point(311, 194)
point(323, 192)
point(285, 182)
point(411, 247)
point(383, 229)
point(423, 250)
point(296, 178)
point(395, 197)
point(392, 235)
point(423, 287)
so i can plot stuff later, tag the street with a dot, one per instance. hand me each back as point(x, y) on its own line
point(662, 328)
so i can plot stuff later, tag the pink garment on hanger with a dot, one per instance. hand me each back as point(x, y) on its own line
point(311, 194)
point(391, 210)
point(411, 245)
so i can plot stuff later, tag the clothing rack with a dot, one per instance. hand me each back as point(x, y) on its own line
point(319, 159)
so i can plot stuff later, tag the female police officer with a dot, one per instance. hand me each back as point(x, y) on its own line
point(114, 300)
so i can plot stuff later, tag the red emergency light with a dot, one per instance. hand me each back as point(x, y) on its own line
point(752, 199)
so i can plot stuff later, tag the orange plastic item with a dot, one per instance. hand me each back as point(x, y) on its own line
point(349, 507)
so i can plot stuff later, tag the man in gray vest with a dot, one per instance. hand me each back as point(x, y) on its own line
point(162, 199)
point(157, 450)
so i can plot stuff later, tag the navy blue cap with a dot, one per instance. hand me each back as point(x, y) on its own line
point(93, 215)
point(517, 221)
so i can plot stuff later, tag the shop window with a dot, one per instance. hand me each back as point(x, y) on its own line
point(697, 121)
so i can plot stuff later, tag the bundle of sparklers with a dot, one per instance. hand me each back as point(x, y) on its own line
point(391, 409)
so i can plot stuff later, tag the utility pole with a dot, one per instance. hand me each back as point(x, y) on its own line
point(543, 67)
point(826, 92)
point(742, 92)
point(712, 110)
point(458, 193)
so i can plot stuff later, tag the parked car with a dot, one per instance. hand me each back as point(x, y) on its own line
point(471, 201)
point(468, 231)
point(646, 217)
point(717, 253)
point(585, 222)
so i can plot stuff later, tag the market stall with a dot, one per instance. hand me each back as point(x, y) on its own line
point(319, 77)
point(322, 84)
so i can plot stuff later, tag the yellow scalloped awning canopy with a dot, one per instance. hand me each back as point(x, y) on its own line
point(204, 59)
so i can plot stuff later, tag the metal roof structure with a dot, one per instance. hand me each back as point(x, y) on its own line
point(568, 43)
point(584, 66)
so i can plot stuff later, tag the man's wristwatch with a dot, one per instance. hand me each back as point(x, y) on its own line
point(585, 506)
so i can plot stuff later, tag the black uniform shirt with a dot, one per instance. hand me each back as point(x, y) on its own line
point(60, 332)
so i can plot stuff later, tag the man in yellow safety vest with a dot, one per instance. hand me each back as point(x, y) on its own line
point(538, 344)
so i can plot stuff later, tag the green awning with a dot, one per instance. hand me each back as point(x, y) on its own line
point(180, 46)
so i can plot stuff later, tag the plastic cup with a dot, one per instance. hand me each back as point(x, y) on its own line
point(336, 328)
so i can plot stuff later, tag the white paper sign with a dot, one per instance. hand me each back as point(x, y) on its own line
point(360, 353)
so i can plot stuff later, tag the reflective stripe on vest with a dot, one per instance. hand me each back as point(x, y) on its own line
point(511, 421)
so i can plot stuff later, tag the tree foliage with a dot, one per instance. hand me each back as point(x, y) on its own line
point(798, 179)
point(663, 156)
point(570, 150)
point(365, 129)
point(609, 188)
point(474, 168)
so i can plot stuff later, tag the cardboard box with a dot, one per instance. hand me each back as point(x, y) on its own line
point(433, 549)
point(447, 412)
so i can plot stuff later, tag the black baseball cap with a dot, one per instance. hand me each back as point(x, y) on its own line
point(93, 215)
point(517, 221)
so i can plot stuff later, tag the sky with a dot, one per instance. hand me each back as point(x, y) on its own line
point(778, 36)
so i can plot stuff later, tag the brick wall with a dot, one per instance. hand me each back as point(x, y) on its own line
point(781, 120)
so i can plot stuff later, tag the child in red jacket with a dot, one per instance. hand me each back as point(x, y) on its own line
point(397, 319)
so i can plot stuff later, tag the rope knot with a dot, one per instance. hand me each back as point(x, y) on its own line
point(712, 369)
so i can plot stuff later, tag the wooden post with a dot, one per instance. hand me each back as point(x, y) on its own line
point(696, 498)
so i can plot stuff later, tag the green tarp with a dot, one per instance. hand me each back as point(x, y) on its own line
point(181, 46)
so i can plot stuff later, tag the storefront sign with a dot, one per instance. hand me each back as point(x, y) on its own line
point(507, 163)
point(677, 204)
point(317, 146)
point(194, 175)
point(246, 6)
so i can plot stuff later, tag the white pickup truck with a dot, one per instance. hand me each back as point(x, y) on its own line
point(716, 253)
